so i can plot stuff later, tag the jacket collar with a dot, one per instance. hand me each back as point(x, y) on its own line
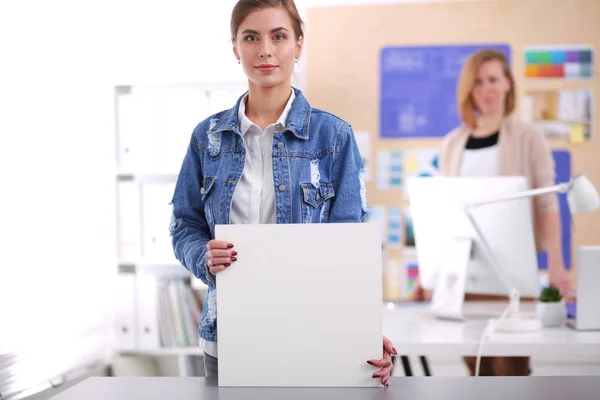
point(297, 122)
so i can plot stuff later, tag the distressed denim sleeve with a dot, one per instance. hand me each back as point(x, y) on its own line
point(350, 202)
point(189, 229)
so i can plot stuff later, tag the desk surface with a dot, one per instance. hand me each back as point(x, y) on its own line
point(415, 331)
point(401, 388)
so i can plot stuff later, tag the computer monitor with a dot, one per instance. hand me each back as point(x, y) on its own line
point(437, 208)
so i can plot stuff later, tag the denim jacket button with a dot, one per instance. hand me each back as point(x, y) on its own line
point(280, 145)
point(281, 188)
point(202, 190)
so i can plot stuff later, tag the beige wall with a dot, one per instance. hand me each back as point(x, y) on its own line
point(343, 66)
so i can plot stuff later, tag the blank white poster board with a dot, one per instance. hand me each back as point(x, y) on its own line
point(301, 307)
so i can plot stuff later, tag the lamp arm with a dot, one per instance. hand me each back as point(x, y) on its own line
point(560, 188)
point(514, 293)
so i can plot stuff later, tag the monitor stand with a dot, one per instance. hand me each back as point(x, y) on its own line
point(449, 293)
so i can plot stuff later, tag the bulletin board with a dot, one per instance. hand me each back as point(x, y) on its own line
point(344, 76)
point(418, 88)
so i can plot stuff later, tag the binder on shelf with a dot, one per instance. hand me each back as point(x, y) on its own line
point(156, 214)
point(126, 130)
point(180, 310)
point(125, 312)
point(164, 317)
point(196, 304)
point(177, 313)
point(148, 334)
point(186, 107)
point(128, 212)
point(138, 129)
point(190, 327)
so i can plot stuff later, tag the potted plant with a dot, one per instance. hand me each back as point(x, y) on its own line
point(551, 308)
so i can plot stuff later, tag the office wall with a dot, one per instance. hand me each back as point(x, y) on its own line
point(343, 66)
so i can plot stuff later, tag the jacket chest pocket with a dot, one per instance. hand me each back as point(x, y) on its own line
point(206, 193)
point(316, 202)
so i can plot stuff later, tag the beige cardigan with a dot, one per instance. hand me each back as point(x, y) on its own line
point(522, 150)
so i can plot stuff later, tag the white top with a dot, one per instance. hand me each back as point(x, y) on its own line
point(479, 162)
point(254, 196)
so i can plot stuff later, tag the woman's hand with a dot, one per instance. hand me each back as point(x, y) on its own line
point(559, 277)
point(385, 363)
point(420, 294)
point(219, 255)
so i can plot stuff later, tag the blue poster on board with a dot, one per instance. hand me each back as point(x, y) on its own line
point(562, 166)
point(418, 88)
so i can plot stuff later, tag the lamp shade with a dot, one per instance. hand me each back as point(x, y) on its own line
point(582, 195)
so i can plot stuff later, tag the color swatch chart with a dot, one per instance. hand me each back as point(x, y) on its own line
point(561, 62)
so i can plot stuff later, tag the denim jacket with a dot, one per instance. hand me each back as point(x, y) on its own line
point(317, 176)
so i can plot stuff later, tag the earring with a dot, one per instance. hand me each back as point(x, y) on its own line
point(239, 62)
point(296, 61)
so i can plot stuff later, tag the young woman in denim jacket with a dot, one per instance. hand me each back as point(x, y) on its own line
point(272, 158)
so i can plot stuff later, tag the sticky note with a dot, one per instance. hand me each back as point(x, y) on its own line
point(572, 56)
point(557, 70)
point(558, 57)
point(545, 57)
point(532, 71)
point(585, 56)
point(586, 70)
point(531, 57)
point(412, 164)
point(545, 71)
point(576, 134)
point(572, 70)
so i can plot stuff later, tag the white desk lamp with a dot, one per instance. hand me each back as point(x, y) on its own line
point(582, 197)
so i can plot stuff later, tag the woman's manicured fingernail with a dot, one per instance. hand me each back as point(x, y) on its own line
point(369, 362)
point(233, 258)
point(234, 253)
point(395, 352)
point(229, 246)
point(227, 265)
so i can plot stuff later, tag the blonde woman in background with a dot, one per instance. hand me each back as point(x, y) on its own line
point(492, 142)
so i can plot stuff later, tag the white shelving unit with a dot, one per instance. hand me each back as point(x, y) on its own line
point(153, 126)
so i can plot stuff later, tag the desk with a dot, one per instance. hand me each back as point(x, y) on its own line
point(400, 388)
point(414, 331)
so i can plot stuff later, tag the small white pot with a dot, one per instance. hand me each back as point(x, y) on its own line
point(551, 314)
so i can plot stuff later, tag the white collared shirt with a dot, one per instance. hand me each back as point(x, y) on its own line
point(254, 196)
